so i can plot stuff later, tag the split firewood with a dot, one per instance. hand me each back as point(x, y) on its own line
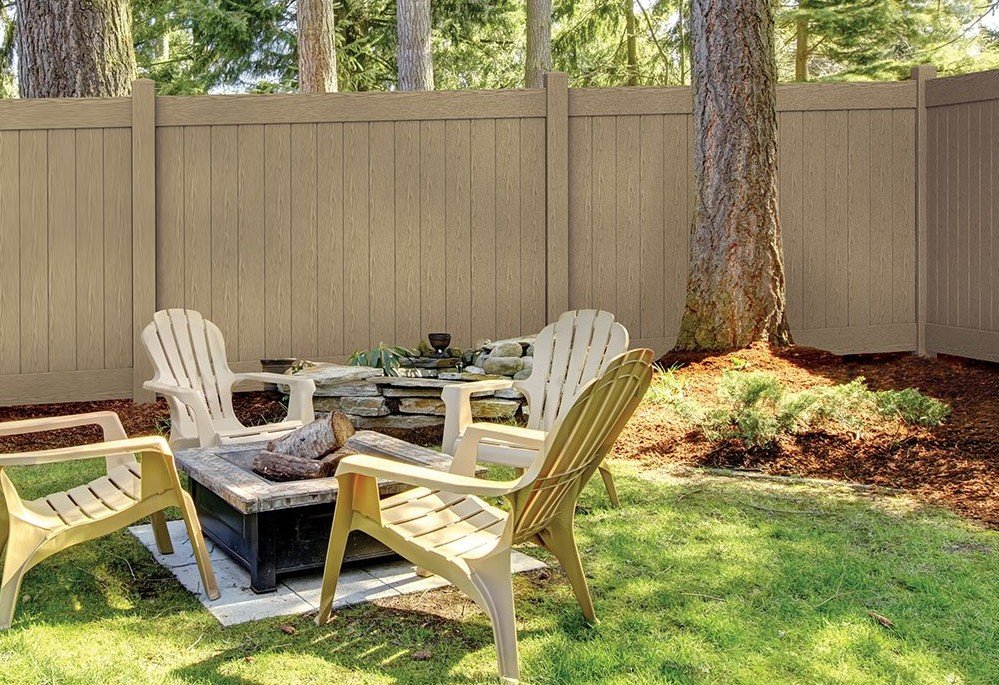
point(282, 467)
point(332, 460)
point(314, 440)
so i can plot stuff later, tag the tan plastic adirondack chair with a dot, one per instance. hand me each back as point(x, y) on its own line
point(567, 355)
point(32, 531)
point(191, 371)
point(444, 526)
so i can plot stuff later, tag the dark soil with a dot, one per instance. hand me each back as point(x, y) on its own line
point(955, 464)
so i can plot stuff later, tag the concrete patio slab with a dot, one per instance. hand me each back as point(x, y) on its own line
point(294, 595)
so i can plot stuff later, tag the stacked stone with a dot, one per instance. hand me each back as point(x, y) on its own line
point(373, 401)
point(513, 358)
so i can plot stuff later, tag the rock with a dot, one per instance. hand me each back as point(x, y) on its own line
point(399, 382)
point(523, 341)
point(331, 374)
point(522, 375)
point(424, 392)
point(509, 394)
point(469, 376)
point(507, 349)
point(529, 352)
point(494, 409)
point(475, 369)
point(416, 373)
point(479, 359)
point(396, 422)
point(349, 389)
point(431, 362)
point(422, 405)
point(364, 406)
point(327, 404)
point(503, 366)
point(528, 364)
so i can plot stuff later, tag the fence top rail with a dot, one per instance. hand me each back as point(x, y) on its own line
point(344, 107)
point(790, 98)
point(55, 113)
point(954, 90)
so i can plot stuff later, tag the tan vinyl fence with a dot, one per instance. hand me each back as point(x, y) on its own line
point(962, 178)
point(314, 225)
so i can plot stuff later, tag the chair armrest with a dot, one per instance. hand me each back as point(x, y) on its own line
point(108, 421)
point(458, 407)
point(179, 395)
point(151, 443)
point(467, 455)
point(389, 469)
point(188, 396)
point(300, 392)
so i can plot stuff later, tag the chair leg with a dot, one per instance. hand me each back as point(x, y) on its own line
point(22, 543)
point(342, 516)
point(561, 541)
point(160, 533)
point(198, 545)
point(608, 478)
point(492, 578)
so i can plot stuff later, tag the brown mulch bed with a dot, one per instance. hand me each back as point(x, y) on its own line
point(955, 464)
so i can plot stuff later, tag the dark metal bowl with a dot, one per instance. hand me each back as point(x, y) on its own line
point(440, 342)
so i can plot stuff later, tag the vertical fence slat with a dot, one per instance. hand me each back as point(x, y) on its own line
point(143, 228)
point(89, 256)
point(304, 235)
point(250, 246)
point(533, 224)
point(225, 232)
point(432, 245)
point(34, 252)
point(10, 255)
point(277, 240)
point(355, 230)
point(119, 336)
point(483, 286)
point(508, 227)
point(382, 232)
point(650, 259)
point(580, 212)
point(557, 194)
point(329, 141)
point(457, 230)
point(62, 249)
point(605, 238)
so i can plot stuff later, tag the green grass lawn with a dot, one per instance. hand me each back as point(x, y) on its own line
point(696, 579)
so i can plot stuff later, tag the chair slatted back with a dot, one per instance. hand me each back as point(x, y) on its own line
point(581, 438)
point(189, 351)
point(568, 354)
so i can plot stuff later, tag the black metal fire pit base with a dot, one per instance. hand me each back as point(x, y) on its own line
point(276, 529)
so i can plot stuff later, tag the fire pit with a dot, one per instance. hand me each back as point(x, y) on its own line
point(272, 528)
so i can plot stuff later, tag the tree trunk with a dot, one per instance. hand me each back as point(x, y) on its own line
point(539, 43)
point(316, 47)
point(75, 48)
point(629, 30)
point(801, 50)
point(415, 56)
point(735, 288)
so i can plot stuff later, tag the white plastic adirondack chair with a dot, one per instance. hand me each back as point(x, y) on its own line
point(567, 354)
point(191, 371)
point(443, 524)
point(31, 531)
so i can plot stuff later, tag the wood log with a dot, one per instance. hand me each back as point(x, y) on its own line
point(316, 439)
point(282, 467)
point(329, 463)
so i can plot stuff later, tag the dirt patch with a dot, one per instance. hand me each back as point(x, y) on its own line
point(955, 464)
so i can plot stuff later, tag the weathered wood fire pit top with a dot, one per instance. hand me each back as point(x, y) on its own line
point(226, 471)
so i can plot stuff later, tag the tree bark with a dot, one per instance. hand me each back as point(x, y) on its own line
point(415, 57)
point(629, 29)
point(735, 288)
point(75, 48)
point(539, 43)
point(316, 47)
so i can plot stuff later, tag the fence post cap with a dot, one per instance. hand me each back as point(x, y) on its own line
point(924, 71)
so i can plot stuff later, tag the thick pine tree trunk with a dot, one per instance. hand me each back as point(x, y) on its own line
point(415, 56)
point(316, 47)
point(75, 48)
point(539, 43)
point(735, 288)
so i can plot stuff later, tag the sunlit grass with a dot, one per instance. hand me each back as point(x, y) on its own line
point(696, 580)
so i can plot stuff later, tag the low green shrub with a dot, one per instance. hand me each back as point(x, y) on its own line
point(756, 408)
point(912, 406)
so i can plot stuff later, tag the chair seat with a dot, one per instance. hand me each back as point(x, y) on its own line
point(98, 499)
point(443, 523)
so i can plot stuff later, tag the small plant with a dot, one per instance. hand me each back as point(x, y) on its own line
point(755, 409)
point(382, 357)
point(912, 406)
point(667, 388)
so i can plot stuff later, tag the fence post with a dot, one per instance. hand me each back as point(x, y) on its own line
point(921, 75)
point(143, 228)
point(557, 194)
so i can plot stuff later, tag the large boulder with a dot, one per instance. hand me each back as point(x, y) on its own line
point(503, 366)
point(508, 348)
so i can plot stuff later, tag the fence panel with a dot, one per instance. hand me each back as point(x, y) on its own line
point(363, 219)
point(847, 198)
point(66, 260)
point(963, 216)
